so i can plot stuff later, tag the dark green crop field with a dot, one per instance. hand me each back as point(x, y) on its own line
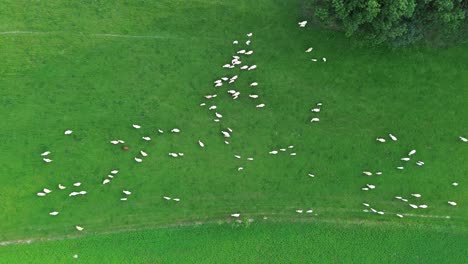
point(98, 67)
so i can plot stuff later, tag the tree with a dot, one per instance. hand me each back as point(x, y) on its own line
point(403, 21)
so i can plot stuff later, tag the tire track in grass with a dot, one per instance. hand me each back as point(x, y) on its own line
point(148, 226)
point(103, 35)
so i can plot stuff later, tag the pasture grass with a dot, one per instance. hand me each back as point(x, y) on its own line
point(315, 242)
point(67, 75)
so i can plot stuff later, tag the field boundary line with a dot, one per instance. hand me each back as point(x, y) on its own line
point(103, 35)
point(110, 35)
point(19, 32)
point(212, 221)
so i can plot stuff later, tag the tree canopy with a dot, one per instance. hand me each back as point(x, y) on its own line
point(396, 21)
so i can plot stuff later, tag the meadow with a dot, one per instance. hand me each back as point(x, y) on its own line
point(98, 67)
point(258, 243)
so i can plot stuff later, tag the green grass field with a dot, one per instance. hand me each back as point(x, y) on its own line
point(97, 67)
point(259, 243)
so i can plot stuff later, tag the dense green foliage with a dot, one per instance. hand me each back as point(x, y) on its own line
point(260, 243)
point(97, 67)
point(399, 21)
